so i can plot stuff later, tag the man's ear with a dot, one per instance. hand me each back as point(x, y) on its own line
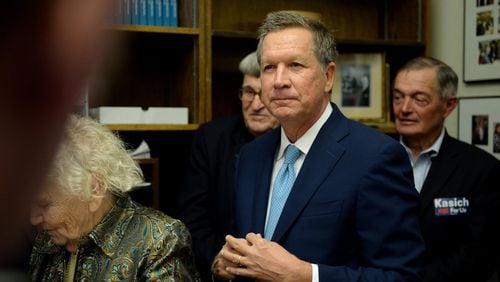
point(329, 75)
point(450, 104)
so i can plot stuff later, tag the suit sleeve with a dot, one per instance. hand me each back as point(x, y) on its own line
point(386, 219)
point(475, 260)
point(193, 205)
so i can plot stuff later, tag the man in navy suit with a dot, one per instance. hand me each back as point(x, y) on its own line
point(458, 183)
point(351, 213)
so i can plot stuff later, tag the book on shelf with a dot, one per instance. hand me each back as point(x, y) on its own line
point(173, 16)
point(166, 12)
point(158, 13)
point(135, 12)
point(127, 12)
point(151, 12)
point(154, 13)
point(143, 19)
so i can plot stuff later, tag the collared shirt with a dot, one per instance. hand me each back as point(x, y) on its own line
point(422, 164)
point(304, 143)
point(131, 243)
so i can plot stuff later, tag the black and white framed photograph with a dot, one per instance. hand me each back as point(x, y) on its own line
point(479, 130)
point(479, 123)
point(496, 137)
point(481, 41)
point(359, 86)
point(480, 3)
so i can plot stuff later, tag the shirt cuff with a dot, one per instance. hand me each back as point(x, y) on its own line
point(315, 273)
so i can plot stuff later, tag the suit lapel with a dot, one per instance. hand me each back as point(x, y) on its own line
point(264, 168)
point(240, 137)
point(318, 164)
point(441, 169)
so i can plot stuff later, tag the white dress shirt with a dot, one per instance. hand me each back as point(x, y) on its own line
point(422, 164)
point(304, 143)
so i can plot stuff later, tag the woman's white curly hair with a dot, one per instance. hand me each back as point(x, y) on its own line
point(92, 158)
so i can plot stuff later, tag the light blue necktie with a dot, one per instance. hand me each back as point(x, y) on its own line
point(282, 187)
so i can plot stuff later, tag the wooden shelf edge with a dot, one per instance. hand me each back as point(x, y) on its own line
point(237, 34)
point(234, 34)
point(155, 29)
point(152, 127)
point(380, 42)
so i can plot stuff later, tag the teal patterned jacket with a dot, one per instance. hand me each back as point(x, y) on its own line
point(131, 243)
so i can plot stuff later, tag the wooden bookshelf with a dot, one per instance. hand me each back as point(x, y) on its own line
point(156, 66)
point(152, 127)
point(155, 29)
point(393, 27)
point(195, 65)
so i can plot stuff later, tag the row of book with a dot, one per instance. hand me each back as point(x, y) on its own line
point(146, 12)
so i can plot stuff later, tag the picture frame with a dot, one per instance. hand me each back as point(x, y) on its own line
point(481, 40)
point(479, 122)
point(360, 87)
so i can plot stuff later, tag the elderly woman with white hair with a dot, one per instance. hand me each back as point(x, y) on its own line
point(90, 230)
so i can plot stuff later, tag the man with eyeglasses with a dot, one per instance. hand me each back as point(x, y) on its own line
point(205, 203)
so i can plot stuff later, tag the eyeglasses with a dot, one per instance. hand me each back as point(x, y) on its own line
point(247, 93)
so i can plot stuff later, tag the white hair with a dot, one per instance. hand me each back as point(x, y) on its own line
point(92, 158)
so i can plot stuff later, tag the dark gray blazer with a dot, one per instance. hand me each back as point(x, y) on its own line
point(463, 246)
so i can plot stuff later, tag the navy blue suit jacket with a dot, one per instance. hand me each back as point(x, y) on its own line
point(353, 209)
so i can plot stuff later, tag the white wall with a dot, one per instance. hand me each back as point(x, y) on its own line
point(446, 24)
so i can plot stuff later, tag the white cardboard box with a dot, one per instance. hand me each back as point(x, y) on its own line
point(136, 115)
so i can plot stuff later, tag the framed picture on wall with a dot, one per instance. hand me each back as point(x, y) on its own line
point(479, 123)
point(360, 87)
point(481, 40)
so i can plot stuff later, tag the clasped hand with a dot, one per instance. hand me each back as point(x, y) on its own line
point(258, 258)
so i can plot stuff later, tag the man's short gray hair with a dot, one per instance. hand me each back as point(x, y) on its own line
point(250, 65)
point(324, 45)
point(446, 77)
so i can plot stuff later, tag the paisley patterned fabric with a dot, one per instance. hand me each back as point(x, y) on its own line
point(131, 243)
